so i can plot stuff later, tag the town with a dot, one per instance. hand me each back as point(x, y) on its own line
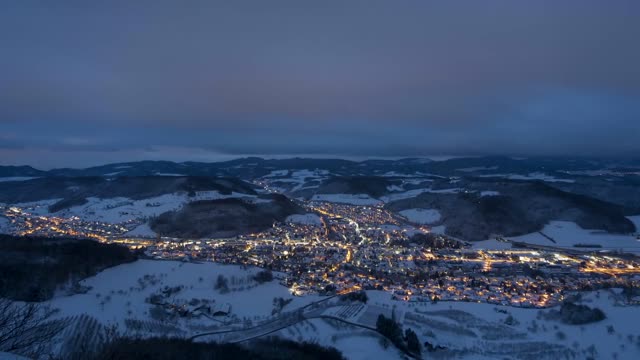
point(340, 248)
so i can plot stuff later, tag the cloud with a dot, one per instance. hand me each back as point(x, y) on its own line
point(357, 77)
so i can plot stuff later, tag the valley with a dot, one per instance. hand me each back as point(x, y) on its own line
point(431, 249)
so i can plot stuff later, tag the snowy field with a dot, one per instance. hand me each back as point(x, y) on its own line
point(481, 331)
point(119, 293)
point(294, 180)
point(113, 210)
point(567, 234)
point(120, 209)
point(415, 192)
point(421, 216)
point(403, 195)
point(353, 342)
point(36, 207)
point(489, 193)
point(466, 330)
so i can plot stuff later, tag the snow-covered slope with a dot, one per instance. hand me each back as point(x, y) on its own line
point(16, 178)
point(530, 176)
point(119, 293)
point(483, 331)
point(354, 343)
point(142, 230)
point(467, 330)
point(357, 199)
point(421, 216)
point(568, 234)
point(306, 219)
point(119, 210)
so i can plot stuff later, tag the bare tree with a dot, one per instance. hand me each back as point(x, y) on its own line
point(26, 328)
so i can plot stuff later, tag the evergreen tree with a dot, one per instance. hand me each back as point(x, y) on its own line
point(413, 344)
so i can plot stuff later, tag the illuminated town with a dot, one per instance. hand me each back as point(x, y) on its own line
point(353, 247)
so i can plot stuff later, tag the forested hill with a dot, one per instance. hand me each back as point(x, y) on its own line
point(33, 268)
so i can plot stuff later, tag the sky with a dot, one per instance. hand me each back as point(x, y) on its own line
point(91, 82)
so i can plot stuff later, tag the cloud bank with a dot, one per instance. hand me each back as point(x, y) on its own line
point(365, 78)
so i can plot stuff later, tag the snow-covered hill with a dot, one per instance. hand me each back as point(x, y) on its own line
point(463, 330)
point(565, 234)
point(120, 209)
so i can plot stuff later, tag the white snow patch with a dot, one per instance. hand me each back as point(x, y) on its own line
point(306, 219)
point(169, 174)
point(275, 173)
point(566, 234)
point(416, 181)
point(403, 195)
point(397, 174)
point(121, 209)
point(37, 207)
point(297, 178)
point(421, 216)
point(489, 193)
point(415, 192)
point(17, 178)
point(354, 343)
point(446, 191)
point(477, 168)
point(530, 176)
point(357, 199)
point(142, 230)
point(394, 188)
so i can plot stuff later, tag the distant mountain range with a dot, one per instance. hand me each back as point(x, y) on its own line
point(253, 167)
point(477, 197)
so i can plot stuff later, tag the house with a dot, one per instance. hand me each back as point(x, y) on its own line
point(221, 309)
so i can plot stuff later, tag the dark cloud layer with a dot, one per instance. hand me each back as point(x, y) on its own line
point(118, 79)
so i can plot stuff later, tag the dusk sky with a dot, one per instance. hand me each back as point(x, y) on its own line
point(91, 82)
